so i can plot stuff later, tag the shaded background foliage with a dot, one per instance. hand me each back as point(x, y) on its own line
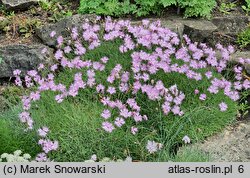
point(140, 8)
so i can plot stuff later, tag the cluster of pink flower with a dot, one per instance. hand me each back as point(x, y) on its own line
point(46, 144)
point(165, 50)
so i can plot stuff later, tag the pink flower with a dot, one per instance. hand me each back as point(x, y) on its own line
point(137, 117)
point(59, 98)
point(145, 22)
point(166, 108)
point(108, 127)
point(60, 40)
point(74, 33)
point(17, 72)
point(153, 146)
point(119, 122)
point(67, 49)
point(41, 157)
point(24, 116)
point(40, 67)
point(32, 73)
point(44, 50)
point(209, 74)
point(42, 132)
point(213, 89)
point(26, 101)
point(203, 97)
point(97, 65)
point(125, 77)
point(93, 157)
point(125, 113)
point(231, 49)
point(186, 139)
point(134, 130)
point(48, 145)
point(104, 60)
point(246, 84)
point(91, 82)
point(237, 85)
point(80, 50)
point(52, 34)
point(106, 114)
point(178, 99)
point(223, 106)
point(35, 96)
point(100, 88)
point(18, 81)
point(98, 18)
point(176, 110)
point(111, 90)
point(196, 91)
point(51, 76)
point(90, 73)
point(59, 54)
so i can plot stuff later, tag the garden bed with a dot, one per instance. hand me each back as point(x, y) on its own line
point(116, 89)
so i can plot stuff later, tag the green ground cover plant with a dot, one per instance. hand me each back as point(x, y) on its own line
point(246, 7)
point(192, 8)
point(117, 90)
point(226, 8)
point(243, 38)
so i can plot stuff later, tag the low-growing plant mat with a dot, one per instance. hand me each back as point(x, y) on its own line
point(171, 103)
point(76, 122)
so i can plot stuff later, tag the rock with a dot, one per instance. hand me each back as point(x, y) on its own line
point(18, 4)
point(23, 57)
point(229, 25)
point(222, 30)
point(61, 28)
point(242, 54)
point(228, 29)
point(174, 25)
point(230, 145)
point(222, 38)
point(199, 30)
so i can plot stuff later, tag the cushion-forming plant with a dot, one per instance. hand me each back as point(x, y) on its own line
point(155, 52)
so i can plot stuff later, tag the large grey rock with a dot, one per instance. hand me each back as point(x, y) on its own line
point(18, 4)
point(231, 24)
point(61, 28)
point(222, 38)
point(23, 57)
point(222, 30)
point(228, 29)
point(199, 30)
